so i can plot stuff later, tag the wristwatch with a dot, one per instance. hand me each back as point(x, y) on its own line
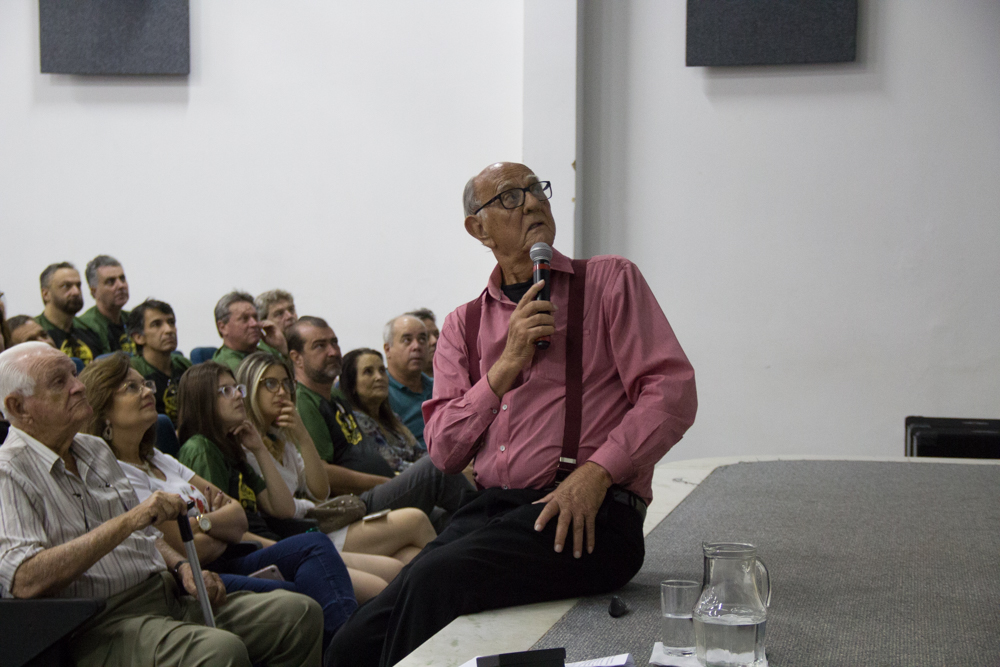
point(204, 523)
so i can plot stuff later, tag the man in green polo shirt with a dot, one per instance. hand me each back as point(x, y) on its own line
point(243, 332)
point(153, 329)
point(352, 460)
point(106, 280)
point(63, 299)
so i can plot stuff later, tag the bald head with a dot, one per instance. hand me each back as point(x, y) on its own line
point(473, 196)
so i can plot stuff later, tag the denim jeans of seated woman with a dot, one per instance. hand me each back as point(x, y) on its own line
point(310, 565)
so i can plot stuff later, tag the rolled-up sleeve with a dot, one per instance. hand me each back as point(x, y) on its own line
point(22, 530)
point(656, 374)
point(458, 413)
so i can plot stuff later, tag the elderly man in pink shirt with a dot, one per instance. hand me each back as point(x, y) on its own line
point(563, 439)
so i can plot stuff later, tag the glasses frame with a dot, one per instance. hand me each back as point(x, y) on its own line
point(545, 185)
point(287, 383)
point(148, 384)
point(230, 390)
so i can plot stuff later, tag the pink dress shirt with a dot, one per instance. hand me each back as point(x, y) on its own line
point(638, 387)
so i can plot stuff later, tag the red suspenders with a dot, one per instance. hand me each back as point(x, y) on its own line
point(574, 362)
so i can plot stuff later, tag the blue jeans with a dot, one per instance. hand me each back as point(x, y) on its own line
point(310, 565)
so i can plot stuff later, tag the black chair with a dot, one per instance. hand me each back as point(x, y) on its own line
point(953, 438)
point(34, 633)
point(166, 436)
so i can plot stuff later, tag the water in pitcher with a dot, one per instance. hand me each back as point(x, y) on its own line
point(730, 641)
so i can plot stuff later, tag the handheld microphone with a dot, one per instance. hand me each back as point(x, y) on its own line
point(541, 255)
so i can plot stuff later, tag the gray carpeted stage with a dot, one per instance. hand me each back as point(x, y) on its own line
point(872, 563)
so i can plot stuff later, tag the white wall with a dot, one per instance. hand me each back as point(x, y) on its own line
point(824, 239)
point(317, 146)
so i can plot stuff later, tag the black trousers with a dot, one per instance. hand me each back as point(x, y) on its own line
point(488, 557)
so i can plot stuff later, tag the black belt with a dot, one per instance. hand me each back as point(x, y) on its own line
point(619, 495)
point(626, 497)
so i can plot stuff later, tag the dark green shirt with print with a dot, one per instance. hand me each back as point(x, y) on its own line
point(236, 478)
point(112, 336)
point(79, 341)
point(231, 358)
point(336, 434)
point(166, 385)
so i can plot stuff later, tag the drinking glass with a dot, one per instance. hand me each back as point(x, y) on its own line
point(677, 600)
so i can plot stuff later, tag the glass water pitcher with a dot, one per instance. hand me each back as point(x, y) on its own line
point(731, 615)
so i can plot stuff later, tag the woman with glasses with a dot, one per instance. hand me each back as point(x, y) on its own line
point(124, 414)
point(374, 551)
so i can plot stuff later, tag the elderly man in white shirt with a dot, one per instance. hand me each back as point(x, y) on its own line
point(71, 526)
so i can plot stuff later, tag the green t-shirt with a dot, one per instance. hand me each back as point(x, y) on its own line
point(237, 478)
point(166, 385)
point(336, 434)
point(79, 341)
point(112, 336)
point(231, 359)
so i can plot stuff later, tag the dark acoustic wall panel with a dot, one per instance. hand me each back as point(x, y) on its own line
point(115, 36)
point(771, 32)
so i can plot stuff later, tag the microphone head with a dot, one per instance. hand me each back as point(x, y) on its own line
point(541, 252)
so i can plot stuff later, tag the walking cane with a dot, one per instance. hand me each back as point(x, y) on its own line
point(188, 537)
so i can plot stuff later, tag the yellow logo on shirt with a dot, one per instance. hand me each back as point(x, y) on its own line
point(349, 427)
point(247, 497)
point(77, 349)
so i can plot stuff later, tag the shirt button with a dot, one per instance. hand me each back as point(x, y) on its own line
point(494, 412)
point(505, 407)
point(505, 486)
point(503, 448)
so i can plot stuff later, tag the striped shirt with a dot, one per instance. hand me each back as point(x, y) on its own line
point(42, 505)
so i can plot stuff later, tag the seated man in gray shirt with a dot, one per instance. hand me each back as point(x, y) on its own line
point(73, 527)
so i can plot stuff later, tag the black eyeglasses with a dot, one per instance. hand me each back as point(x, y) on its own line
point(273, 384)
point(514, 198)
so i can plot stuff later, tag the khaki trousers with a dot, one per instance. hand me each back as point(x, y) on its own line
point(150, 624)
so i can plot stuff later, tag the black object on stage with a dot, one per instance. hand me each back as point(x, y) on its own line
point(552, 657)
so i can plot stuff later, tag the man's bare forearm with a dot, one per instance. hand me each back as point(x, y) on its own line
point(50, 571)
point(345, 480)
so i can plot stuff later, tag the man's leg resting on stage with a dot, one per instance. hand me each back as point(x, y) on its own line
point(493, 558)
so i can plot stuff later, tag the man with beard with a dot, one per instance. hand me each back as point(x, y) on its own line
point(353, 462)
point(153, 329)
point(405, 344)
point(63, 299)
point(244, 332)
point(106, 280)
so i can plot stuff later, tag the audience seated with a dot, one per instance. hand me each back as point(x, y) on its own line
point(374, 551)
point(55, 540)
point(352, 461)
point(213, 430)
point(153, 329)
point(426, 315)
point(242, 332)
point(276, 306)
point(365, 383)
point(106, 280)
point(63, 299)
point(405, 344)
point(24, 329)
point(124, 415)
